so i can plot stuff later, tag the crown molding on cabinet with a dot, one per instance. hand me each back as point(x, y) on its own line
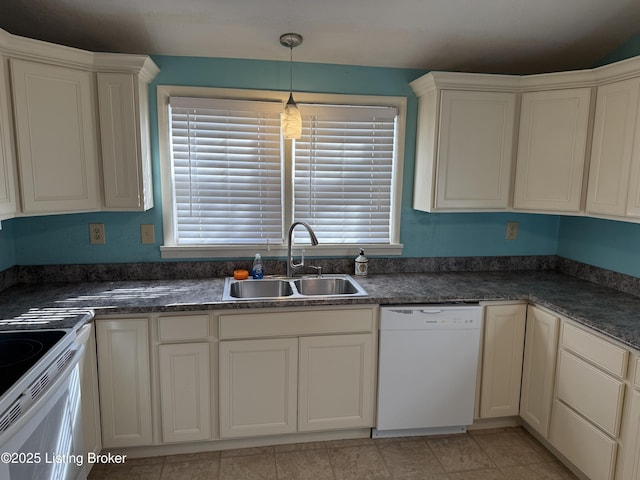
point(44, 52)
point(487, 82)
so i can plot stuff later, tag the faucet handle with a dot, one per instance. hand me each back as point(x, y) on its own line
point(317, 269)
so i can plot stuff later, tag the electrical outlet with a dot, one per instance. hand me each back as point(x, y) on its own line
point(147, 233)
point(512, 230)
point(96, 234)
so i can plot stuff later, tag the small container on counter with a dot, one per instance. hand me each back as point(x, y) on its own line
point(362, 264)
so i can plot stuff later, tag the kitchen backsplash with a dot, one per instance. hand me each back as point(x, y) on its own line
point(193, 270)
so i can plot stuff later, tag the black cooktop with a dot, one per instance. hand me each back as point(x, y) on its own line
point(19, 351)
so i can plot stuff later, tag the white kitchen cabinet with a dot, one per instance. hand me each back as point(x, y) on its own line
point(185, 400)
point(612, 153)
point(552, 146)
point(89, 397)
point(541, 345)
point(297, 370)
point(8, 200)
point(57, 149)
point(587, 411)
point(125, 385)
point(124, 137)
point(629, 458)
point(258, 387)
point(335, 382)
point(464, 151)
point(185, 376)
point(504, 331)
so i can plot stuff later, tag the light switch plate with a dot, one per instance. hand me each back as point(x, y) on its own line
point(147, 233)
point(512, 230)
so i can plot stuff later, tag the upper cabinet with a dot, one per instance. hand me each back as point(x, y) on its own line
point(54, 112)
point(615, 156)
point(123, 101)
point(552, 150)
point(80, 121)
point(8, 199)
point(464, 146)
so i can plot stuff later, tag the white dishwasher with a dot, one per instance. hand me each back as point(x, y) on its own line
point(427, 369)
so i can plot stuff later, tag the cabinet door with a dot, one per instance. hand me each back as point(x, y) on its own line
point(185, 399)
point(504, 327)
point(540, 349)
point(258, 387)
point(551, 150)
point(475, 150)
point(56, 138)
point(125, 387)
point(125, 158)
point(582, 444)
point(91, 434)
point(613, 135)
point(336, 382)
point(629, 462)
point(8, 203)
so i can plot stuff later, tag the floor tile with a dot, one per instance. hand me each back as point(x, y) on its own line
point(248, 467)
point(410, 460)
point(541, 471)
point(134, 472)
point(304, 465)
point(360, 462)
point(296, 447)
point(512, 448)
point(194, 470)
point(193, 457)
point(459, 453)
point(243, 452)
point(349, 442)
point(490, 474)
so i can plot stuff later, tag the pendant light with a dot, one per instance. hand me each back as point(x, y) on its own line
point(291, 119)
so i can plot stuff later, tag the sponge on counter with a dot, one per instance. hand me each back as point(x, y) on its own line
point(240, 274)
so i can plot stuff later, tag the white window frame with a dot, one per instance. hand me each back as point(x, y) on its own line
point(171, 250)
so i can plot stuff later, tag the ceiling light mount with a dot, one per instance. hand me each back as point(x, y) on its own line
point(290, 40)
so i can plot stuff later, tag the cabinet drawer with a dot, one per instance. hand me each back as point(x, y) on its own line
point(590, 391)
point(595, 349)
point(296, 322)
point(183, 327)
point(584, 445)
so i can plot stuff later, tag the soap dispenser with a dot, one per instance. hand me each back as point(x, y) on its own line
point(257, 271)
point(362, 264)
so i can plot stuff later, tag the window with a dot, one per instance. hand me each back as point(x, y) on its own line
point(232, 185)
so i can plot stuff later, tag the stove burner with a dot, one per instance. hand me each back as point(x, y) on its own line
point(19, 351)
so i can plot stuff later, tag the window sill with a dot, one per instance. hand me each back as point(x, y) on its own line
point(213, 252)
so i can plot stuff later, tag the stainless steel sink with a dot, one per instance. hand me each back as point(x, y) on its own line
point(260, 289)
point(325, 286)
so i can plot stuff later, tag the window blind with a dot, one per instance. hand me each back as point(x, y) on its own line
point(343, 173)
point(226, 164)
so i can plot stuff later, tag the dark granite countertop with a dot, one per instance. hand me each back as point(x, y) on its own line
point(69, 305)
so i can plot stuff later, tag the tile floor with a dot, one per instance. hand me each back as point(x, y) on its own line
point(499, 454)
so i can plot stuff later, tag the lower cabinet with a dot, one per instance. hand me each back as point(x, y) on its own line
point(335, 382)
point(314, 375)
point(185, 400)
point(125, 383)
point(504, 328)
point(538, 373)
point(258, 387)
point(629, 458)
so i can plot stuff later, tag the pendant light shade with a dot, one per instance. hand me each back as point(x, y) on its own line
point(291, 119)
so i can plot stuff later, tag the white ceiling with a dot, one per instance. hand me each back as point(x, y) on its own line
point(494, 36)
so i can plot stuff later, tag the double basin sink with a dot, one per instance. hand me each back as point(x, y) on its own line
point(279, 288)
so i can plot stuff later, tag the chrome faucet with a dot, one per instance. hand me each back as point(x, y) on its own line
point(314, 241)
